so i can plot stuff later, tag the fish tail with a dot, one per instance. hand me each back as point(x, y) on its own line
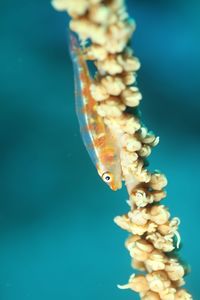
point(73, 45)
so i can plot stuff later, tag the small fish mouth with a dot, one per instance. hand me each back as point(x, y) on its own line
point(116, 187)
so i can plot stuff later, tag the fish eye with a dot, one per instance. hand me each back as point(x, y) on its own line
point(107, 177)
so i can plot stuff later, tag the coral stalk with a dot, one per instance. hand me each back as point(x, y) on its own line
point(153, 233)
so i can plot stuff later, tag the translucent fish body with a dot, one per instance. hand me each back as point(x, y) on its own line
point(97, 138)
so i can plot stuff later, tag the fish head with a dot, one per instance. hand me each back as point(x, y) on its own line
point(112, 177)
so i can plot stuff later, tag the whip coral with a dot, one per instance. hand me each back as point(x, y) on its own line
point(153, 233)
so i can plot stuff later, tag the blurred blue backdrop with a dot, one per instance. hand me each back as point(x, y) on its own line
point(58, 240)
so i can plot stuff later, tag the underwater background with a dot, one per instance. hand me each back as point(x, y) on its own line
point(57, 236)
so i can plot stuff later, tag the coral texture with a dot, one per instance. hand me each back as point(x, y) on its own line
point(153, 233)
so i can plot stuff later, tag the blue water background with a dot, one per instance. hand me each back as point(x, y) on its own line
point(57, 237)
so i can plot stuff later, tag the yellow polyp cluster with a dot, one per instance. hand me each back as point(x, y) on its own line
point(153, 233)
